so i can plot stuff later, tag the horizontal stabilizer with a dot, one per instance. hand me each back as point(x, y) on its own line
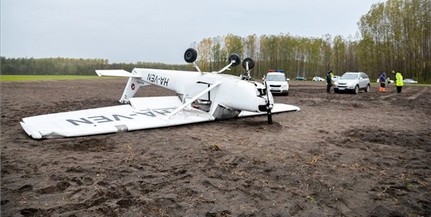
point(278, 108)
point(116, 72)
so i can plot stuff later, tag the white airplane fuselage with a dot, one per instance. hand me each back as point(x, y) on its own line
point(231, 91)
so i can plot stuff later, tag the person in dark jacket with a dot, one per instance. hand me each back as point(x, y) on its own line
point(382, 81)
point(329, 83)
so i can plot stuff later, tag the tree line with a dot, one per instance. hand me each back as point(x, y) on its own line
point(397, 35)
point(71, 66)
point(393, 35)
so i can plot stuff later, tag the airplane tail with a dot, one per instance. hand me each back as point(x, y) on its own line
point(133, 84)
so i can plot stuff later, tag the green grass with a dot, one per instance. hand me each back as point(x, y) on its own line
point(23, 78)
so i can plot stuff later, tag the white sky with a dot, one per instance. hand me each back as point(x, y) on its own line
point(160, 31)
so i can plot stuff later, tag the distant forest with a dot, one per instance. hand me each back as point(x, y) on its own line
point(394, 35)
point(70, 66)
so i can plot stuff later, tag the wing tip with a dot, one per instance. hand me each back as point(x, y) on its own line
point(30, 131)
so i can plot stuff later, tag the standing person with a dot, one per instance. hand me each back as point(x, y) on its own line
point(382, 80)
point(398, 81)
point(329, 77)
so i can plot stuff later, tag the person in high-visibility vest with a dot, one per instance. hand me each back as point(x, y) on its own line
point(398, 81)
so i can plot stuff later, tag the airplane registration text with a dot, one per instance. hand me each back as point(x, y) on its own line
point(158, 79)
point(116, 117)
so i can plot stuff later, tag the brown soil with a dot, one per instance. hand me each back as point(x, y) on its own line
point(342, 155)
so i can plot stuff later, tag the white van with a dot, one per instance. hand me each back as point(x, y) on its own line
point(277, 82)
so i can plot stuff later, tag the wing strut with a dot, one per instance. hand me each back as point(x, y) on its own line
point(194, 98)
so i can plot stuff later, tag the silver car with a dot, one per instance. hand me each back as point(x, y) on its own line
point(352, 82)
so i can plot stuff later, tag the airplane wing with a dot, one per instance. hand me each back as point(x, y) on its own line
point(142, 113)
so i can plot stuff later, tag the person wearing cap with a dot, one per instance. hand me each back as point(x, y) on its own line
point(329, 77)
point(398, 81)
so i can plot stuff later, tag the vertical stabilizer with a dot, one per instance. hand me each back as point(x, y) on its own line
point(132, 86)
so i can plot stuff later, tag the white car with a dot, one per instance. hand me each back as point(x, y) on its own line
point(277, 83)
point(409, 81)
point(318, 78)
point(352, 81)
point(388, 80)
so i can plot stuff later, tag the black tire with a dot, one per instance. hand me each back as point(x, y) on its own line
point(367, 89)
point(235, 57)
point(190, 55)
point(249, 61)
point(356, 90)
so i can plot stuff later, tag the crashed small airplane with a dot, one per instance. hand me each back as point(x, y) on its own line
point(201, 97)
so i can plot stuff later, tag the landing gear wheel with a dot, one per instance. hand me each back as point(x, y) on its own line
point(250, 63)
point(269, 114)
point(190, 55)
point(234, 57)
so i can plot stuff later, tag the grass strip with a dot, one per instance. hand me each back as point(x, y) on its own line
point(24, 78)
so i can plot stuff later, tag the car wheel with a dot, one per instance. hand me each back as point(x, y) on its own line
point(356, 89)
point(367, 89)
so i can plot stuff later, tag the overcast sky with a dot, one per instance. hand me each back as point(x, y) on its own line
point(160, 31)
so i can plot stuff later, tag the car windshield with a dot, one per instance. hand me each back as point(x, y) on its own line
point(274, 77)
point(349, 76)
